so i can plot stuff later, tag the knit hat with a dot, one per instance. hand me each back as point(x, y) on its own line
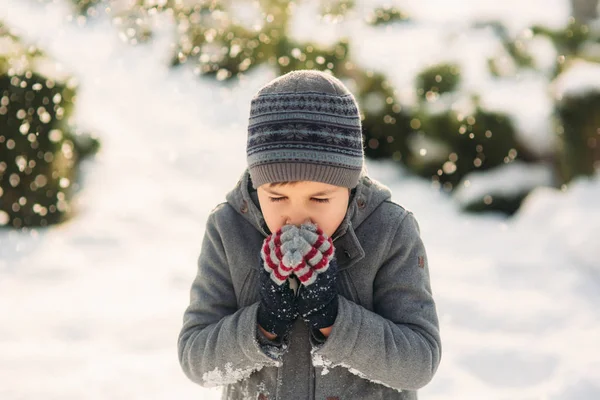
point(305, 125)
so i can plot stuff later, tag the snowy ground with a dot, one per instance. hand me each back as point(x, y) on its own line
point(91, 309)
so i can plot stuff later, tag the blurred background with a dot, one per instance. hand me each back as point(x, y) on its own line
point(123, 123)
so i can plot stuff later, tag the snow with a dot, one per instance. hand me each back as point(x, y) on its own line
point(217, 377)
point(527, 102)
point(403, 50)
point(320, 361)
point(515, 14)
point(580, 78)
point(91, 309)
point(509, 180)
point(543, 53)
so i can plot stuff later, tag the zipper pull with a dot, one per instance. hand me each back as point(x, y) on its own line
point(293, 284)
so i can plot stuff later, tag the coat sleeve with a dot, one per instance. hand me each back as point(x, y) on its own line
point(398, 343)
point(218, 342)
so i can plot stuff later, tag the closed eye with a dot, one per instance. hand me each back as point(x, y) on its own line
point(276, 199)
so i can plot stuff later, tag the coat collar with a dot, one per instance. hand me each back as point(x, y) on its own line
point(365, 198)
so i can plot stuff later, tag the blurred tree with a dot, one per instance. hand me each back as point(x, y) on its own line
point(513, 46)
point(218, 44)
point(454, 144)
point(39, 152)
point(584, 11)
point(227, 38)
point(578, 123)
point(479, 141)
point(437, 80)
point(385, 15)
point(576, 111)
point(568, 41)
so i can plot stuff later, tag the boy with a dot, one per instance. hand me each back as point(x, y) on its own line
point(312, 283)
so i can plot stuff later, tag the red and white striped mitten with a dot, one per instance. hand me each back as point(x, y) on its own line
point(273, 250)
point(311, 252)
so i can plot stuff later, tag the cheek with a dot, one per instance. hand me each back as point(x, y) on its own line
point(331, 219)
point(329, 227)
point(272, 218)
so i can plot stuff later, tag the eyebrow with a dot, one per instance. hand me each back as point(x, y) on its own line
point(321, 193)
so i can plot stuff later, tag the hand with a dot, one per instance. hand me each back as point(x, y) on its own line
point(307, 253)
point(278, 250)
point(317, 296)
point(277, 309)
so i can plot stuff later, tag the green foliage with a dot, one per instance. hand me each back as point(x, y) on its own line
point(580, 135)
point(84, 5)
point(479, 141)
point(437, 80)
point(335, 9)
point(568, 41)
point(441, 144)
point(452, 145)
point(222, 48)
point(513, 46)
point(577, 115)
point(505, 204)
point(386, 15)
point(39, 152)
point(386, 124)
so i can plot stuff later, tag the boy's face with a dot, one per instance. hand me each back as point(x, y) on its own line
point(323, 204)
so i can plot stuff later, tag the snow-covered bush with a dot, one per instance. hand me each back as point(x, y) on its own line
point(414, 105)
point(578, 110)
point(39, 151)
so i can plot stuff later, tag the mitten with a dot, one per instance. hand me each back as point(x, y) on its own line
point(277, 308)
point(277, 247)
point(317, 296)
point(309, 254)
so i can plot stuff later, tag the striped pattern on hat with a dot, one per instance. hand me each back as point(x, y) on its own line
point(305, 125)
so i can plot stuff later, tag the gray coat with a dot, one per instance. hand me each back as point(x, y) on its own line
point(384, 344)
